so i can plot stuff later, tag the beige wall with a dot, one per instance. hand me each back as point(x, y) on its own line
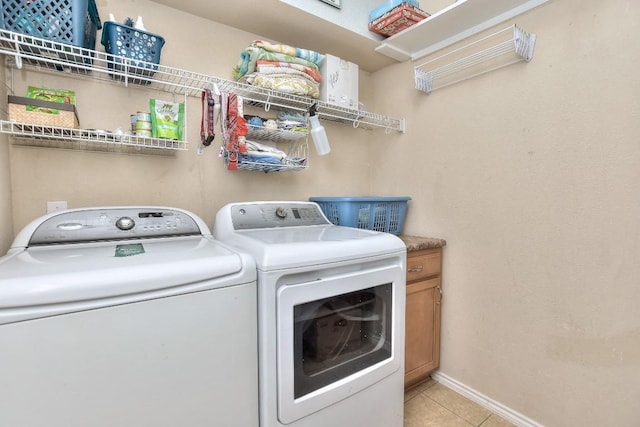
point(197, 183)
point(6, 223)
point(531, 175)
point(6, 213)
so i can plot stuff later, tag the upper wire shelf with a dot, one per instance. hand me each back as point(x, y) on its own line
point(497, 50)
point(49, 55)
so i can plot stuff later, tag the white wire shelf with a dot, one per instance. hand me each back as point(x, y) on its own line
point(297, 159)
point(52, 56)
point(88, 139)
point(497, 50)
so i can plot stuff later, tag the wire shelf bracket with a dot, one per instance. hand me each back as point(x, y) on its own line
point(500, 49)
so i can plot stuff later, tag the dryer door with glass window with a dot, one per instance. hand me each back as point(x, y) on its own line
point(337, 336)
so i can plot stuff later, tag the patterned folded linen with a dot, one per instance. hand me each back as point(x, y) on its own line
point(286, 83)
point(252, 54)
point(307, 54)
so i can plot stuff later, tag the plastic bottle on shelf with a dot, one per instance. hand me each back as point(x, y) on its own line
point(139, 25)
point(318, 134)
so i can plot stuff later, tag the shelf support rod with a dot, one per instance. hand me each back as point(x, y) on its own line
point(18, 55)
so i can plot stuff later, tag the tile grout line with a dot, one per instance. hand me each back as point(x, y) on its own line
point(442, 406)
point(428, 385)
point(486, 419)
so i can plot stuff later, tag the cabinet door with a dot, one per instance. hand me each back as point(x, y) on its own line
point(422, 348)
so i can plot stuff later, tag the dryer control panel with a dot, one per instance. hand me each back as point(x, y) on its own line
point(96, 224)
point(248, 216)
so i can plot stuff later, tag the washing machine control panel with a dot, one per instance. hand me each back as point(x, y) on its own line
point(248, 216)
point(85, 225)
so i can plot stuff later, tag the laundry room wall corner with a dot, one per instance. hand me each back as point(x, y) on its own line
point(6, 216)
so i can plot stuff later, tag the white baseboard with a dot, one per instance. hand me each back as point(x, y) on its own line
point(494, 406)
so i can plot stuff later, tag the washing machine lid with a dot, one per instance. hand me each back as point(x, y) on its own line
point(54, 278)
point(294, 234)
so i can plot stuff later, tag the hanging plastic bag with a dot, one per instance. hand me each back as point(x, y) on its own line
point(167, 119)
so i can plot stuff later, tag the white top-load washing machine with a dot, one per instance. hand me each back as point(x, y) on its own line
point(331, 307)
point(126, 316)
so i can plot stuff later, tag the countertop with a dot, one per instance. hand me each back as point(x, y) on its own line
point(416, 243)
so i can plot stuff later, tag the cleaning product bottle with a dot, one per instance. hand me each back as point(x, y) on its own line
point(139, 24)
point(318, 134)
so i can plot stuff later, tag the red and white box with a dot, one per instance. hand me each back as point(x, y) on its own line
point(397, 19)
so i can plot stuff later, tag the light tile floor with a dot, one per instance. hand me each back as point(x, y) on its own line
point(432, 404)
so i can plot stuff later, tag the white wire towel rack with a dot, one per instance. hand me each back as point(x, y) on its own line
point(497, 50)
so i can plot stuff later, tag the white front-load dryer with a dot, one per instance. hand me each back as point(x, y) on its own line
point(128, 317)
point(331, 308)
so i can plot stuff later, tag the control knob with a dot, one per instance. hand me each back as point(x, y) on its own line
point(281, 213)
point(125, 223)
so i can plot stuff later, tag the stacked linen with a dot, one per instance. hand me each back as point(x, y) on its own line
point(280, 67)
point(262, 153)
point(292, 121)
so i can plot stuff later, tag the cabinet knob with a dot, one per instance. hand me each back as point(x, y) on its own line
point(418, 269)
point(440, 292)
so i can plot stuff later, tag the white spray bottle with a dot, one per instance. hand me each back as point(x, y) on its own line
point(318, 134)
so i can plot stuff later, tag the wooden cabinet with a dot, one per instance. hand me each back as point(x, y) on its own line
point(422, 330)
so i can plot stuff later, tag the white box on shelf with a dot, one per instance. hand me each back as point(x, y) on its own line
point(339, 84)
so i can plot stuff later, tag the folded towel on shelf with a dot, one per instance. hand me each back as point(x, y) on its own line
point(251, 55)
point(264, 66)
point(280, 67)
point(292, 116)
point(285, 71)
point(292, 125)
point(256, 158)
point(286, 83)
point(257, 149)
point(307, 54)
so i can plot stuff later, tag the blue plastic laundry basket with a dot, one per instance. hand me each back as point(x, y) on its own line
point(72, 22)
point(132, 51)
point(385, 214)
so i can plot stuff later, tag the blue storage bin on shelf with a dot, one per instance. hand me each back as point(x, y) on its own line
point(390, 5)
point(385, 214)
point(72, 22)
point(131, 51)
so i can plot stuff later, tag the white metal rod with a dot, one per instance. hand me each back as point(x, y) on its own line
point(510, 28)
point(474, 59)
point(520, 46)
point(477, 74)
